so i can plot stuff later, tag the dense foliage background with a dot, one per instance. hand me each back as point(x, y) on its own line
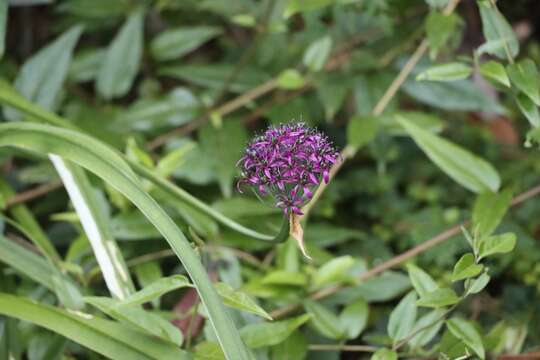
point(433, 104)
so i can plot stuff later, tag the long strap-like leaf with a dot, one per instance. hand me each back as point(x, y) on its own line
point(107, 164)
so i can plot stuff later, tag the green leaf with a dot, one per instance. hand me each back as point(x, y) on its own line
point(478, 284)
point(41, 77)
point(317, 53)
point(295, 6)
point(402, 318)
point(495, 71)
point(26, 262)
point(333, 271)
point(208, 350)
point(438, 298)
point(384, 354)
point(295, 347)
point(121, 62)
point(529, 109)
point(421, 281)
point(148, 273)
point(466, 268)
point(102, 336)
point(156, 290)
point(108, 165)
point(524, 76)
point(96, 227)
point(465, 331)
point(138, 318)
point(434, 319)
point(283, 277)
point(469, 170)
point(497, 31)
point(323, 320)
point(224, 146)
point(429, 122)
point(353, 319)
point(290, 79)
point(240, 300)
point(497, 244)
point(488, 211)
point(439, 29)
point(3, 26)
point(446, 72)
point(268, 334)
point(177, 42)
point(85, 65)
point(361, 130)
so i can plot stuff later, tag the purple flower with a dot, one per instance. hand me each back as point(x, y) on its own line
point(287, 163)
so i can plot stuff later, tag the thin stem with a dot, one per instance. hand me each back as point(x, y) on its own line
point(33, 193)
point(397, 260)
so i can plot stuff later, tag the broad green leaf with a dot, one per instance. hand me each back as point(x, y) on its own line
point(421, 281)
point(469, 170)
point(295, 6)
point(384, 354)
point(529, 109)
point(85, 65)
point(176, 42)
point(224, 146)
point(495, 71)
point(439, 29)
point(429, 122)
point(102, 336)
point(282, 277)
point(460, 95)
point(239, 300)
point(361, 130)
point(3, 25)
point(438, 298)
point(208, 350)
point(216, 76)
point(290, 79)
point(268, 334)
point(333, 271)
point(138, 318)
point(353, 319)
point(402, 318)
point(107, 164)
point(466, 268)
point(446, 72)
point(295, 347)
point(488, 211)
point(176, 108)
point(498, 33)
point(324, 320)
point(435, 320)
point(465, 331)
point(156, 290)
point(497, 244)
point(524, 76)
point(317, 53)
point(387, 286)
point(121, 62)
point(41, 77)
point(478, 284)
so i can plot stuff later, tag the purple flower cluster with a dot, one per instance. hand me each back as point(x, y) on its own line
point(288, 162)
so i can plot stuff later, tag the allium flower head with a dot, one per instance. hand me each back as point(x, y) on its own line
point(287, 163)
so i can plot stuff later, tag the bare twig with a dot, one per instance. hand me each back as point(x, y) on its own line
point(33, 193)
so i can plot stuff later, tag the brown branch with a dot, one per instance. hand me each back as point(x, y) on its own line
point(33, 193)
point(399, 259)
